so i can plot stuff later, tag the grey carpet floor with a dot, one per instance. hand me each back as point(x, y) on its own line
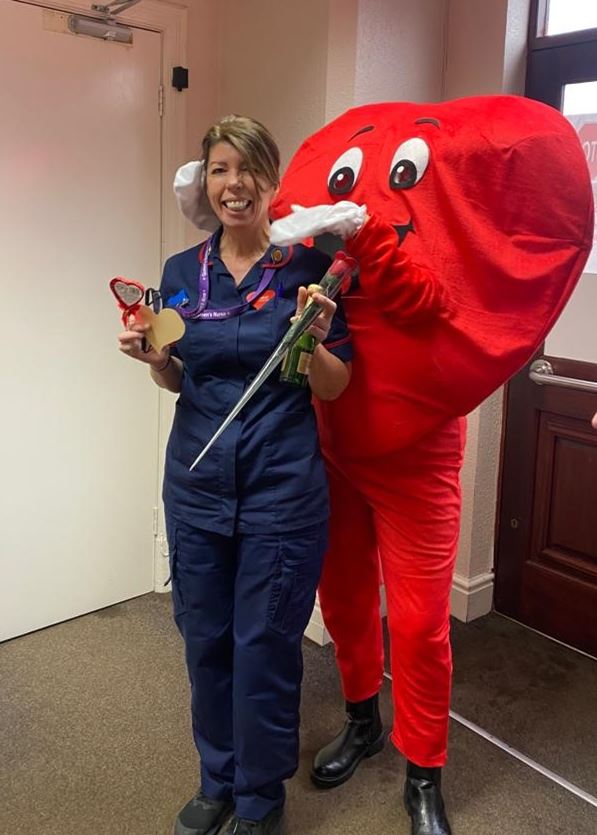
point(534, 694)
point(95, 738)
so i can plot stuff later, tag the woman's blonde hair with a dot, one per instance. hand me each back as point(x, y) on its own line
point(253, 142)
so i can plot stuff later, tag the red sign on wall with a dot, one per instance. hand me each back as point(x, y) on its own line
point(588, 138)
point(586, 126)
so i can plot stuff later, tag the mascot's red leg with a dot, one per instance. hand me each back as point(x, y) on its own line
point(417, 518)
point(406, 510)
point(349, 590)
point(349, 597)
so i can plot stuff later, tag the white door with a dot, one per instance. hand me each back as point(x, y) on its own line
point(79, 203)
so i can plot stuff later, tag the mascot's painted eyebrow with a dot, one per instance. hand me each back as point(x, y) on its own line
point(367, 128)
point(362, 130)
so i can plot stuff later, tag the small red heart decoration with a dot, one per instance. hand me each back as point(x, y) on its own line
point(258, 303)
point(128, 293)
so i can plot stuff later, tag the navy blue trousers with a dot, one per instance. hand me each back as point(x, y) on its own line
point(242, 604)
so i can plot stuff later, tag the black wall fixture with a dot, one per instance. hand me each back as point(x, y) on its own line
point(180, 78)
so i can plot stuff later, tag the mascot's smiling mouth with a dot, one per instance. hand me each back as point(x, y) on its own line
point(403, 229)
point(330, 244)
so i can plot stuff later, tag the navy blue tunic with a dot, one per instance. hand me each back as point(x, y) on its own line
point(265, 472)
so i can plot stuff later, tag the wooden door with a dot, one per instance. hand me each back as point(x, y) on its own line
point(546, 573)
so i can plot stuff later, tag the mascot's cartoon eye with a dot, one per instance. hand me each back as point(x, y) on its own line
point(345, 171)
point(409, 163)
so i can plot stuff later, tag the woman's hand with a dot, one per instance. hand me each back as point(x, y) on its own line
point(328, 375)
point(166, 371)
point(131, 344)
point(320, 328)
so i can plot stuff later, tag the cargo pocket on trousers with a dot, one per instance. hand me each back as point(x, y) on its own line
point(295, 575)
point(280, 609)
point(178, 602)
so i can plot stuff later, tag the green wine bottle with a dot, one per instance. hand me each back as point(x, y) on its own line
point(295, 368)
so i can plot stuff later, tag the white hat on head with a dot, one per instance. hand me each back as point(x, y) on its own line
point(191, 197)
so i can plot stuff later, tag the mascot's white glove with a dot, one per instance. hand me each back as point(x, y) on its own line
point(343, 219)
point(191, 197)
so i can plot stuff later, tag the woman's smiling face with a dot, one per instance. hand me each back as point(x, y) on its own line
point(238, 199)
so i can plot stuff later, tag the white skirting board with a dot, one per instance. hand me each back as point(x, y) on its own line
point(471, 598)
point(316, 630)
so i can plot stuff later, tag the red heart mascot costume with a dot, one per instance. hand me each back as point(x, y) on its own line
point(478, 222)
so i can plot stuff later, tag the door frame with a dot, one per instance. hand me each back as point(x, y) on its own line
point(171, 22)
point(569, 53)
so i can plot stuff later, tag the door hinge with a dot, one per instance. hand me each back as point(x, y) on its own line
point(161, 100)
point(154, 518)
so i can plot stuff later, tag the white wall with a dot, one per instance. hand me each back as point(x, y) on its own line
point(400, 50)
point(272, 65)
point(341, 56)
point(475, 54)
point(384, 50)
point(295, 68)
point(486, 47)
point(202, 57)
point(257, 58)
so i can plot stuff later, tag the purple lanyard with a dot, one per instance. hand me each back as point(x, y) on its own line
point(200, 312)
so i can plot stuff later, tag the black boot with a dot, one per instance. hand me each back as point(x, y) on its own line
point(270, 825)
point(362, 736)
point(424, 802)
point(202, 816)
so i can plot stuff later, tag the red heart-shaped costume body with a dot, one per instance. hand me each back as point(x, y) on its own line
point(491, 197)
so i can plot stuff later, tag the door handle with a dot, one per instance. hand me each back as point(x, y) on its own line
point(541, 372)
